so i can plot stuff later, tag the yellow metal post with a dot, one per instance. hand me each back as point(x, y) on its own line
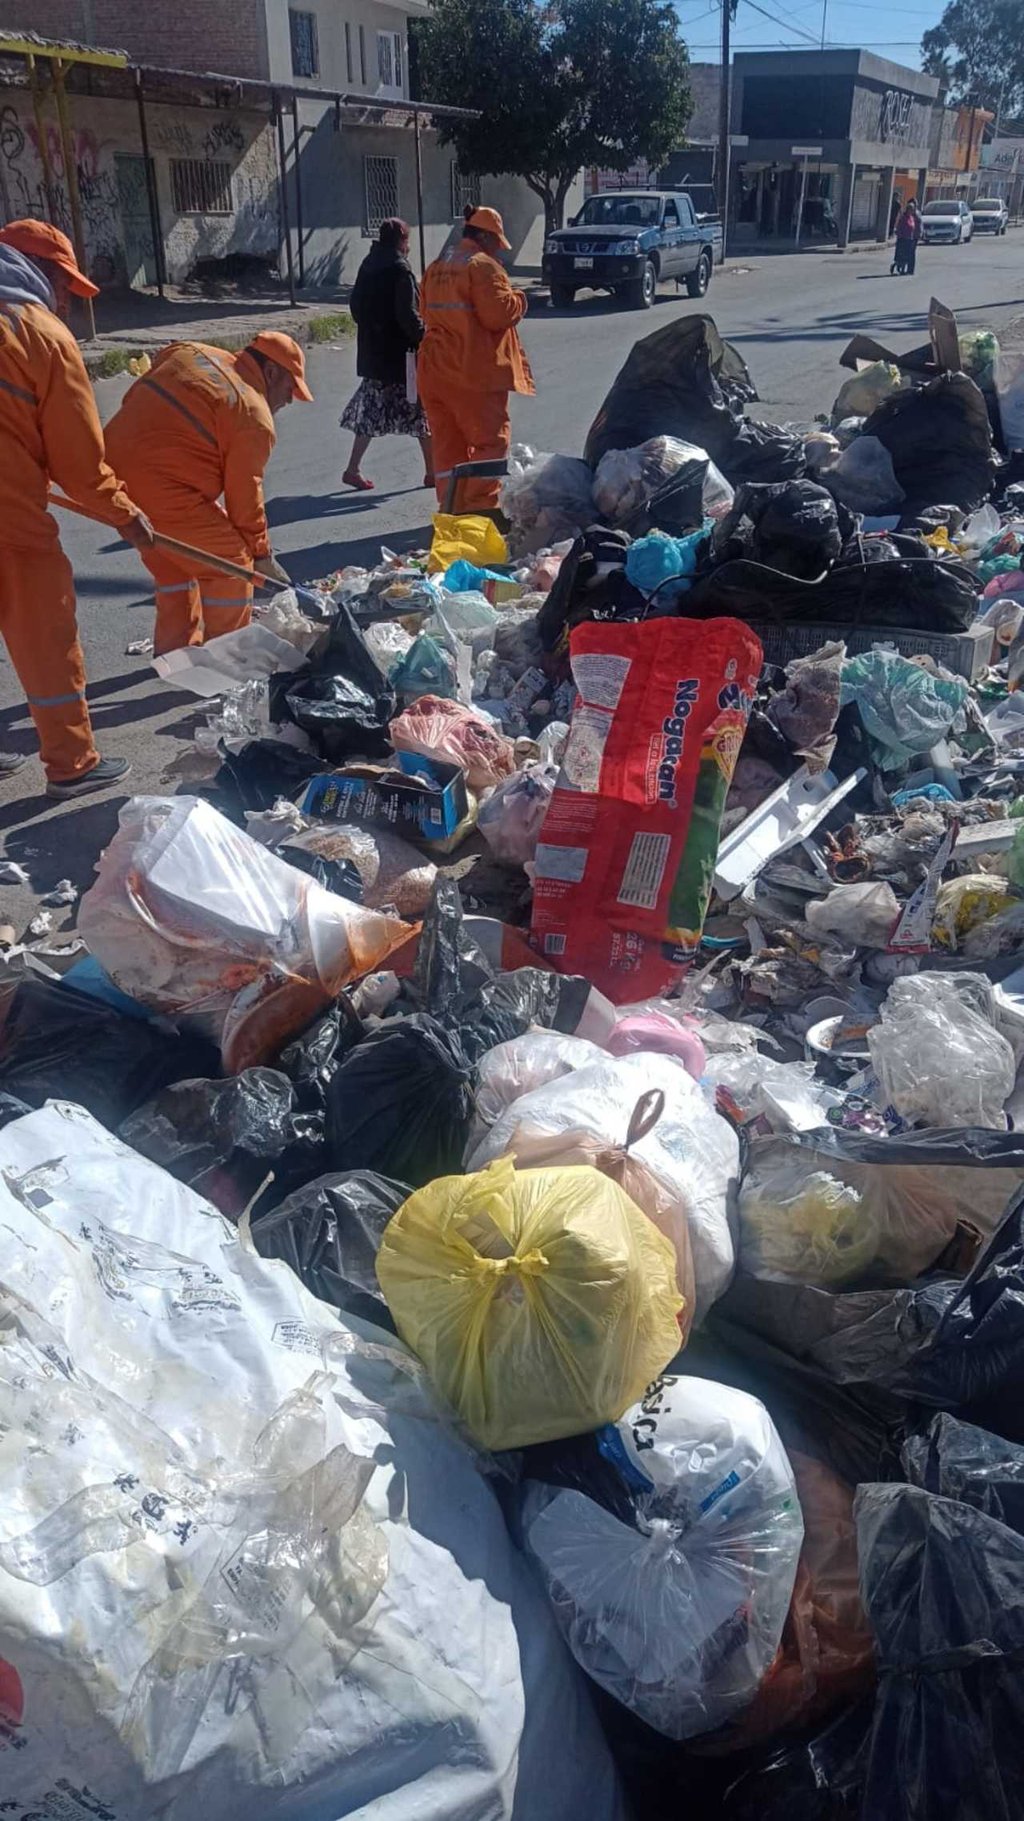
point(71, 174)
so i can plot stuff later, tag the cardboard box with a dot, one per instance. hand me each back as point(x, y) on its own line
point(373, 794)
point(966, 654)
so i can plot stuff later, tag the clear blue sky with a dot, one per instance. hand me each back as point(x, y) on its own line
point(893, 31)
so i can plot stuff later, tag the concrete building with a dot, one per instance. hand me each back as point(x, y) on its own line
point(217, 145)
point(834, 125)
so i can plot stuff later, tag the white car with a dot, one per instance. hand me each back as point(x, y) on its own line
point(991, 215)
point(946, 220)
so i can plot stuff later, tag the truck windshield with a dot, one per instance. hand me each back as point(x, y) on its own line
point(621, 212)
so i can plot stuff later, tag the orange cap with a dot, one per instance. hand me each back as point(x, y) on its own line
point(491, 222)
point(286, 352)
point(39, 240)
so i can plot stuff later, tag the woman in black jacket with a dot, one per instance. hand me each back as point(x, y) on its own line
point(385, 306)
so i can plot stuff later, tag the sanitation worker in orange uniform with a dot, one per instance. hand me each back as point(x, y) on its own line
point(471, 357)
point(49, 431)
point(198, 426)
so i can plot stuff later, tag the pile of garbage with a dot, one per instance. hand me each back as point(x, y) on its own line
point(528, 1154)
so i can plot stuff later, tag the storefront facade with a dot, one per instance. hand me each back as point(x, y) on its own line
point(826, 133)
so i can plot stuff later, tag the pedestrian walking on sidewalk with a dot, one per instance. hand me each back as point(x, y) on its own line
point(472, 358)
point(385, 306)
point(198, 426)
point(50, 431)
point(908, 233)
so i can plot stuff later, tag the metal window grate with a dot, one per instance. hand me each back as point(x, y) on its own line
point(305, 44)
point(201, 188)
point(380, 179)
point(465, 191)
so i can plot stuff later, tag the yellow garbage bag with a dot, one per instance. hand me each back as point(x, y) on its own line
point(542, 1302)
point(468, 535)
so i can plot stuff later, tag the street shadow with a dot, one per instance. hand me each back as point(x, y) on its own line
point(290, 509)
point(63, 845)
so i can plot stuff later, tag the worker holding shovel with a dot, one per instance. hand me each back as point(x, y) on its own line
point(50, 431)
point(197, 427)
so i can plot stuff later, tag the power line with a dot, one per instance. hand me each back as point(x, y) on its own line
point(786, 24)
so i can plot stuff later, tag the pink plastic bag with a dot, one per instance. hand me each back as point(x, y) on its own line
point(657, 1031)
point(446, 730)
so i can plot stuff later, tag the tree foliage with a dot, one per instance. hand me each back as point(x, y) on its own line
point(559, 87)
point(977, 48)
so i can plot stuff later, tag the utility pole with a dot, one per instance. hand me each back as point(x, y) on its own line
point(724, 122)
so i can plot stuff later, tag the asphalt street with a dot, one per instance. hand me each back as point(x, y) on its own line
point(790, 315)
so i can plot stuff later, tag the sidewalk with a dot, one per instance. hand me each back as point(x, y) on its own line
point(129, 323)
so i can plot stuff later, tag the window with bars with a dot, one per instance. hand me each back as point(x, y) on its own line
point(390, 60)
point(199, 187)
point(465, 191)
point(305, 44)
point(380, 181)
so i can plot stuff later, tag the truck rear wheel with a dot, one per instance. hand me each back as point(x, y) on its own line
point(563, 297)
point(699, 279)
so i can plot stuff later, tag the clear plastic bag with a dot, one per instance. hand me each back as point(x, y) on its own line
point(679, 1613)
point(786, 1094)
point(905, 709)
point(193, 918)
point(859, 395)
point(691, 1150)
point(446, 730)
point(546, 498)
point(394, 874)
point(864, 478)
point(938, 1058)
point(625, 479)
point(802, 1224)
point(511, 818)
point(515, 1068)
point(863, 915)
point(540, 1301)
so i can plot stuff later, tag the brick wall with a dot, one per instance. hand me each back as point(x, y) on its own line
point(228, 35)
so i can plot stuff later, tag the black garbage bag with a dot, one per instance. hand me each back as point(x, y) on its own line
point(973, 1365)
point(854, 1336)
point(400, 1102)
point(685, 381)
point(338, 876)
point(940, 441)
point(941, 1583)
point(341, 697)
point(819, 1779)
point(792, 526)
point(64, 1045)
point(223, 1138)
point(259, 773)
point(960, 1461)
point(329, 1232)
point(921, 593)
point(311, 1060)
point(590, 585)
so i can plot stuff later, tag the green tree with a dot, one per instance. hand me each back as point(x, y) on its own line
point(977, 49)
point(559, 87)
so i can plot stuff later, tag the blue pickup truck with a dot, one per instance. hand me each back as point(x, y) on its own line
point(627, 241)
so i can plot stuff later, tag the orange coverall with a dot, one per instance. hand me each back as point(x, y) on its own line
point(49, 430)
point(196, 427)
point(470, 359)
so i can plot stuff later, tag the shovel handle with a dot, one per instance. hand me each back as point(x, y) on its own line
point(186, 553)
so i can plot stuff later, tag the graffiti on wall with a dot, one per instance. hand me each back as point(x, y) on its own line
point(23, 184)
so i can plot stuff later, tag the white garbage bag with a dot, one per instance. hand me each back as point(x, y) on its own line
point(246, 1570)
point(691, 1149)
point(678, 1613)
point(194, 919)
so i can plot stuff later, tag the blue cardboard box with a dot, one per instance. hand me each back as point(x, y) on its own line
point(376, 795)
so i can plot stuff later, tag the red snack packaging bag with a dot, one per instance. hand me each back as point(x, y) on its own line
point(626, 858)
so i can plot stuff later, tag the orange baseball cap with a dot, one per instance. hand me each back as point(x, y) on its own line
point(39, 240)
point(285, 350)
point(491, 222)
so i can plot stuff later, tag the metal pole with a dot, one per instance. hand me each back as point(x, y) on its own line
point(724, 127)
point(849, 206)
point(419, 191)
point(71, 174)
point(800, 204)
point(44, 144)
point(154, 201)
point(286, 226)
point(298, 191)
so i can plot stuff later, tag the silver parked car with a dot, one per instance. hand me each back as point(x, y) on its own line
point(991, 215)
point(947, 220)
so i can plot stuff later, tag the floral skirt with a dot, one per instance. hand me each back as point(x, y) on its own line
point(379, 410)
